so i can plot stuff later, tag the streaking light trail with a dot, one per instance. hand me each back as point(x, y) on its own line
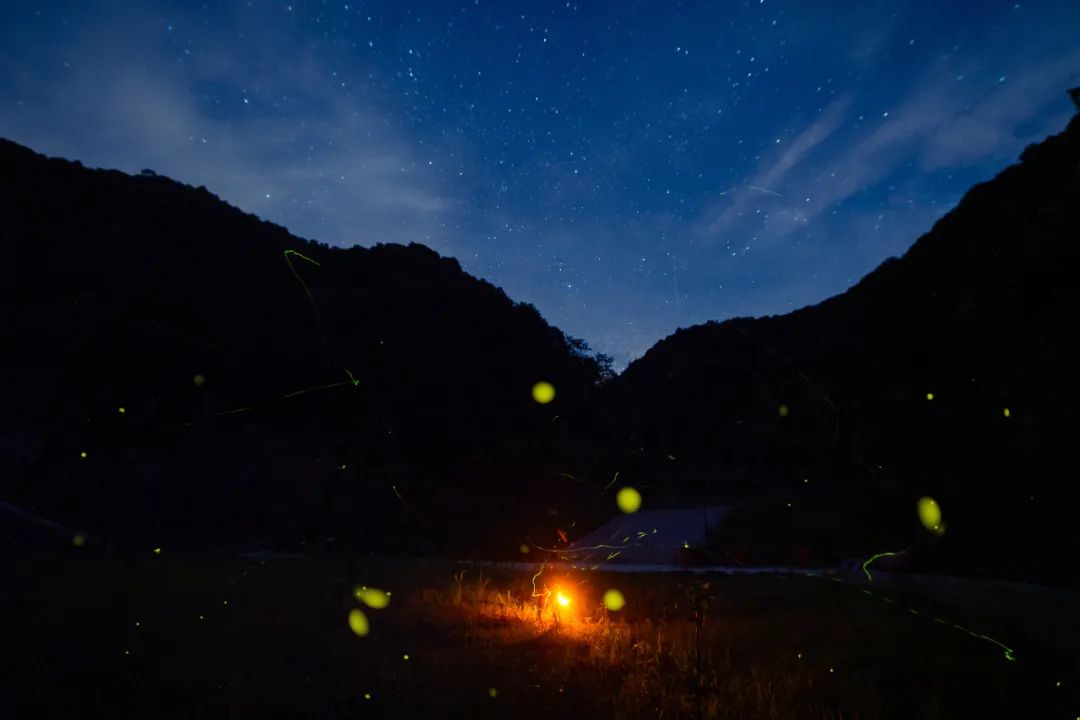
point(872, 559)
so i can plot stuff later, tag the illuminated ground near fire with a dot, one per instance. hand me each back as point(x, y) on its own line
point(170, 637)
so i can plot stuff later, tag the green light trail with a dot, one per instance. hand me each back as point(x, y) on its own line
point(866, 565)
point(1010, 654)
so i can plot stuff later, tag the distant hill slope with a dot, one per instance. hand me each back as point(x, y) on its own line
point(119, 290)
point(828, 408)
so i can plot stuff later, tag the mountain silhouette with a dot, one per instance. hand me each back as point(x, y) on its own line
point(230, 382)
point(949, 372)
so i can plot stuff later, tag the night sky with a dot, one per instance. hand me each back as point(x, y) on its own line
point(627, 167)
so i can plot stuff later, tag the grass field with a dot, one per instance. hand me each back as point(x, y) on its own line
point(94, 636)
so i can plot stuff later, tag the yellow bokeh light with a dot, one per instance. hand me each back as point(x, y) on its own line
point(524, 549)
point(929, 396)
point(493, 693)
point(614, 600)
point(543, 392)
point(929, 513)
point(628, 499)
point(405, 656)
point(562, 599)
point(372, 597)
point(367, 696)
point(83, 455)
point(1007, 413)
point(78, 541)
point(784, 411)
point(121, 410)
point(157, 551)
point(358, 623)
point(199, 379)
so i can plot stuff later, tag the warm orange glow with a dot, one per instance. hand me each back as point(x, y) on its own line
point(562, 599)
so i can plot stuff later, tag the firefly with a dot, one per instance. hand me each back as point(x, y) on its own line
point(543, 392)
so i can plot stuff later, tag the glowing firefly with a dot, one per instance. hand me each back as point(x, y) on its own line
point(543, 392)
point(372, 597)
point(930, 514)
point(614, 600)
point(628, 499)
point(358, 623)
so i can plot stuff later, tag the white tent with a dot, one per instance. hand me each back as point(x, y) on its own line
point(652, 536)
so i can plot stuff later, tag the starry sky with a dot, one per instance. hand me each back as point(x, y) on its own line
point(627, 167)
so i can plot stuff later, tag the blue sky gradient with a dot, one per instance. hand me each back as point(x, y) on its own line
point(629, 168)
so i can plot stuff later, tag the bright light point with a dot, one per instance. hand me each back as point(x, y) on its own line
point(929, 396)
point(929, 513)
point(628, 499)
point(157, 551)
point(686, 545)
point(784, 411)
point(358, 623)
point(1007, 413)
point(493, 693)
point(524, 549)
point(121, 410)
point(199, 379)
point(82, 455)
point(614, 600)
point(78, 541)
point(830, 669)
point(372, 597)
point(367, 696)
point(405, 656)
point(201, 617)
point(543, 392)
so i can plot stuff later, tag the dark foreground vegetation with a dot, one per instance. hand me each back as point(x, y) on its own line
point(159, 636)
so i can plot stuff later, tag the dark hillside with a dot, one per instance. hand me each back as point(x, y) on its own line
point(122, 289)
point(828, 408)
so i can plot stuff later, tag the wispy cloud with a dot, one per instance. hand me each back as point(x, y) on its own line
point(773, 173)
point(939, 126)
point(336, 170)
